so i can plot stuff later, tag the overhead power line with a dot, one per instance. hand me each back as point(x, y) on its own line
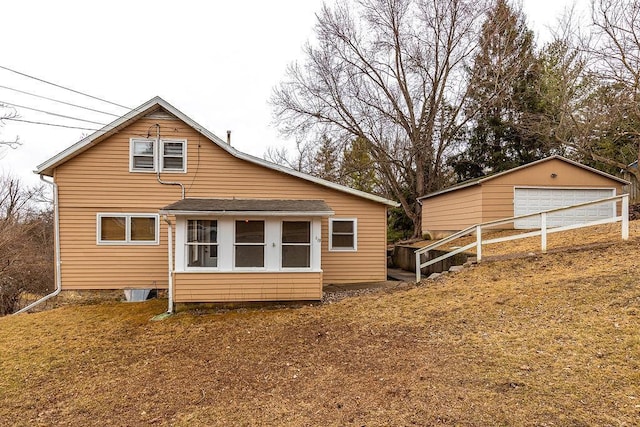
point(46, 124)
point(64, 87)
point(58, 101)
point(51, 113)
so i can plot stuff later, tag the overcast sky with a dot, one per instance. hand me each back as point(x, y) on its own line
point(215, 61)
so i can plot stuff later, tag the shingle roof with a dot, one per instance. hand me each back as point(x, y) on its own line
point(232, 206)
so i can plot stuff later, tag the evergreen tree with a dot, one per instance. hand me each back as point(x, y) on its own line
point(325, 162)
point(358, 170)
point(503, 96)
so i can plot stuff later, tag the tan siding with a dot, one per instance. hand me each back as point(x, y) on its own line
point(451, 211)
point(215, 287)
point(98, 180)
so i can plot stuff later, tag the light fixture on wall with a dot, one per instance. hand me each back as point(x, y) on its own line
point(554, 175)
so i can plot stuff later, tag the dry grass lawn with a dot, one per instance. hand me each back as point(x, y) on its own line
point(549, 340)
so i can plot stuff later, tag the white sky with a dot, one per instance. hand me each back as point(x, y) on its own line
point(215, 61)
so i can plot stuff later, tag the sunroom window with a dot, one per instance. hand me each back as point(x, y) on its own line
point(249, 244)
point(296, 244)
point(202, 243)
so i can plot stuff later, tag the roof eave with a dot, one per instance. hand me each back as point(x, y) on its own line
point(245, 213)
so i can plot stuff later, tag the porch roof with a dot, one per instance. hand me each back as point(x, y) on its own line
point(229, 207)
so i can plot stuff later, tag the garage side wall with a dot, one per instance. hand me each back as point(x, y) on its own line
point(498, 193)
point(453, 211)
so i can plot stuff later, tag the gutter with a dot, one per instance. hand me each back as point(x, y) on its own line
point(56, 225)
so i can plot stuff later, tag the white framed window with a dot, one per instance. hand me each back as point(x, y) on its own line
point(343, 234)
point(127, 229)
point(202, 243)
point(174, 154)
point(170, 156)
point(249, 244)
point(142, 155)
point(296, 244)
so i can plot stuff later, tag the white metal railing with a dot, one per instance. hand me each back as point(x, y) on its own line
point(542, 232)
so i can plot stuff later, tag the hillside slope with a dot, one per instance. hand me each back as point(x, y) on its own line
point(542, 341)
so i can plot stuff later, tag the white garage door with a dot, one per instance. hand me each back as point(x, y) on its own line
point(530, 200)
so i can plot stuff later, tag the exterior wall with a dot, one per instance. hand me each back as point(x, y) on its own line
point(453, 211)
point(98, 181)
point(196, 287)
point(498, 193)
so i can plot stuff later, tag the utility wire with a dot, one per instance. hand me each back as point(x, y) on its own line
point(47, 124)
point(64, 87)
point(51, 113)
point(56, 100)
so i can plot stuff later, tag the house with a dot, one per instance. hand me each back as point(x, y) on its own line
point(541, 185)
point(154, 200)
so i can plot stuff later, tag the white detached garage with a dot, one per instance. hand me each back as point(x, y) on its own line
point(542, 185)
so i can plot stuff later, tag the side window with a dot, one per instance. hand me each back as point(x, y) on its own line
point(296, 244)
point(343, 234)
point(127, 229)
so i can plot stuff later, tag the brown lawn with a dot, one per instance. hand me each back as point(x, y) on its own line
point(549, 340)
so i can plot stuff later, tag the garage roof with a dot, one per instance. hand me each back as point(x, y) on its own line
point(477, 181)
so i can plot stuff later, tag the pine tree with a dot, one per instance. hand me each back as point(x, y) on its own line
point(502, 98)
point(357, 167)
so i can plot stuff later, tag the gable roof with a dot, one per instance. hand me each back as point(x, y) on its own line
point(478, 181)
point(47, 167)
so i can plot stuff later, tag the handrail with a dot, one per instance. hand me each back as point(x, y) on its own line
point(624, 218)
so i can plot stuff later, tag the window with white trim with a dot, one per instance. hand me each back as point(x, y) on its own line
point(296, 244)
point(249, 244)
point(127, 229)
point(343, 234)
point(143, 155)
point(202, 243)
point(172, 157)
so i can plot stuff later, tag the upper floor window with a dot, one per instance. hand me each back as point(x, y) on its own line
point(169, 157)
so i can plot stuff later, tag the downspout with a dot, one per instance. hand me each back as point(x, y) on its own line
point(159, 160)
point(170, 246)
point(56, 226)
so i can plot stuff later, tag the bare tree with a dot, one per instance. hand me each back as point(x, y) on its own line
point(26, 244)
point(390, 72)
point(8, 113)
